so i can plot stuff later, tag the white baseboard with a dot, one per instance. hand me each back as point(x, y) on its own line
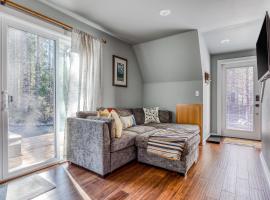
point(204, 140)
point(265, 169)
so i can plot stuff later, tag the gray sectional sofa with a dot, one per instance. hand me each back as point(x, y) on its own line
point(91, 143)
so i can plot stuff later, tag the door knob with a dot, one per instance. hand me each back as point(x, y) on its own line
point(10, 99)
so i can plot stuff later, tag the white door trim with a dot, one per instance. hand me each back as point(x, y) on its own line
point(220, 76)
point(11, 21)
point(1, 124)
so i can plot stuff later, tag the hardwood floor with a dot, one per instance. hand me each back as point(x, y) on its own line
point(223, 172)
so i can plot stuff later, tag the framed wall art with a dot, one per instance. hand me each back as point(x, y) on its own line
point(120, 71)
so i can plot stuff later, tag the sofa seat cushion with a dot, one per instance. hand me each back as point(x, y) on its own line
point(140, 129)
point(126, 140)
point(176, 127)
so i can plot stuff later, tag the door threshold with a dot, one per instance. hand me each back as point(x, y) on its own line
point(241, 138)
point(243, 142)
point(40, 169)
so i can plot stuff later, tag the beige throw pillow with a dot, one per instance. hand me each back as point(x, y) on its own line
point(104, 113)
point(128, 121)
point(118, 124)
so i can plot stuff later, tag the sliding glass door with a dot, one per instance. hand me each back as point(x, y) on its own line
point(30, 96)
point(29, 114)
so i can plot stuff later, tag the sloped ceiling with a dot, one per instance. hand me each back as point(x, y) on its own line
point(170, 59)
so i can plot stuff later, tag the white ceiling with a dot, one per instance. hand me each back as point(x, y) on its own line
point(138, 21)
point(242, 37)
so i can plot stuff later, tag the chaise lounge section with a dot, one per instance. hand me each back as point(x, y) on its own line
point(190, 155)
point(91, 143)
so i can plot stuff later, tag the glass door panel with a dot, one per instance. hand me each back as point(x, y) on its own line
point(239, 99)
point(31, 61)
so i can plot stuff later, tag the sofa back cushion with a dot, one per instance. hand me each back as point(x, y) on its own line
point(123, 112)
point(138, 115)
point(165, 116)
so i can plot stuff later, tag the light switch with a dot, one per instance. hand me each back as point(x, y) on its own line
point(197, 93)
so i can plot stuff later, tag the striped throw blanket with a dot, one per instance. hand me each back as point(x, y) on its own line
point(169, 143)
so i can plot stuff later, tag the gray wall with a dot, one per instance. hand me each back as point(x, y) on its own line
point(266, 124)
point(113, 96)
point(173, 58)
point(214, 59)
point(167, 94)
point(171, 70)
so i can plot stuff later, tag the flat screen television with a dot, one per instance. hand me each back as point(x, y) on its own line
point(263, 50)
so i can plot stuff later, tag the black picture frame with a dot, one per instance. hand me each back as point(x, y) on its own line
point(119, 71)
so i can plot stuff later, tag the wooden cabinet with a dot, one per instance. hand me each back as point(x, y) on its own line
point(190, 114)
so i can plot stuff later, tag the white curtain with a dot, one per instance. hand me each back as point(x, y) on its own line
point(85, 73)
point(82, 78)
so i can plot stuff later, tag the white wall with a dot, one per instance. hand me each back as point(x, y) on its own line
point(205, 63)
point(265, 124)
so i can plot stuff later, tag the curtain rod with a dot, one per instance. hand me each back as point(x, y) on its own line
point(39, 15)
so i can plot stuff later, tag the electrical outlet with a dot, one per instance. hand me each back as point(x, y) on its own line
point(197, 93)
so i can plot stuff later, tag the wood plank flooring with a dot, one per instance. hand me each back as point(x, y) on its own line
point(223, 172)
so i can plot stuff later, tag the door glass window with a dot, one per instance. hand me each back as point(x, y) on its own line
point(31, 89)
point(239, 98)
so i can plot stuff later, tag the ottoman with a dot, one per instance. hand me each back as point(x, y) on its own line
point(188, 158)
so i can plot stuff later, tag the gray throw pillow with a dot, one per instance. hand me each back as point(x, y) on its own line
point(165, 116)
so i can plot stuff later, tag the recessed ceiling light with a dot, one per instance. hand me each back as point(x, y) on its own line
point(225, 41)
point(165, 13)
